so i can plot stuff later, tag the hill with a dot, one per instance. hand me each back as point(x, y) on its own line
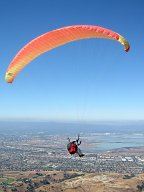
point(56, 181)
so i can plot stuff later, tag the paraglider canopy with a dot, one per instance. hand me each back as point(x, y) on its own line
point(53, 39)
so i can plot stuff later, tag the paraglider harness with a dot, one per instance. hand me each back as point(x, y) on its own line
point(72, 147)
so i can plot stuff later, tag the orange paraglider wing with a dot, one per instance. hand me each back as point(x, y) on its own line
point(54, 39)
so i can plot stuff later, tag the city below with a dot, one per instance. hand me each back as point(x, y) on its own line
point(28, 151)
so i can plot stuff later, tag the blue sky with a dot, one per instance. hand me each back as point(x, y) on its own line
point(86, 80)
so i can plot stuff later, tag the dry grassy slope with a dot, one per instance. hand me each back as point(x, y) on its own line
point(96, 183)
point(79, 182)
